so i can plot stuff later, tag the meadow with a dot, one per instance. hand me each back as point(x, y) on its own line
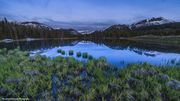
point(64, 78)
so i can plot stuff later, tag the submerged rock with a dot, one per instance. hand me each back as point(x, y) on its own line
point(14, 80)
point(32, 72)
point(173, 84)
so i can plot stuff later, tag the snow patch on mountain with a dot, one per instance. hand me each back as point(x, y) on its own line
point(36, 24)
point(151, 22)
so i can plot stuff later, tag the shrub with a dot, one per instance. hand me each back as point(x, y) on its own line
point(63, 52)
point(78, 54)
point(90, 57)
point(71, 52)
point(59, 50)
point(85, 55)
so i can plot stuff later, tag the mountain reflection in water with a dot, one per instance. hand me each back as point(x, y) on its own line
point(118, 52)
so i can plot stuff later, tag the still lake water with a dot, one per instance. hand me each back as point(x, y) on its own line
point(118, 53)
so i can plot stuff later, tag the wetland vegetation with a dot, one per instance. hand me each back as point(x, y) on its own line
point(65, 78)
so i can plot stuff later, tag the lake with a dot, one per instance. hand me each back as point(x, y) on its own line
point(118, 52)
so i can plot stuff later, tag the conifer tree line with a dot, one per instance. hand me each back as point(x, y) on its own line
point(14, 30)
point(118, 31)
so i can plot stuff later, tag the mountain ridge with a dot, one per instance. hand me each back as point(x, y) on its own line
point(153, 26)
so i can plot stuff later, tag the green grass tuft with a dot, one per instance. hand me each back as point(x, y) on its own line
point(71, 52)
point(90, 57)
point(59, 50)
point(63, 52)
point(78, 54)
point(85, 55)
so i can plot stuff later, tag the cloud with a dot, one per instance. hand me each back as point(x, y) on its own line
point(117, 11)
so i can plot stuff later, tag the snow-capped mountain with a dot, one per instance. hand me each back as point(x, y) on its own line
point(36, 24)
point(151, 22)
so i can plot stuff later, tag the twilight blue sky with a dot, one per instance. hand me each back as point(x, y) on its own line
point(89, 11)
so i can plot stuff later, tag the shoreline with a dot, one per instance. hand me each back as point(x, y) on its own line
point(32, 39)
point(148, 39)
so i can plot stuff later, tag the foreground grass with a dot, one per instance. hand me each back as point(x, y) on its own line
point(68, 79)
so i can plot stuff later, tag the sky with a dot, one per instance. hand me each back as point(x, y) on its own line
point(89, 11)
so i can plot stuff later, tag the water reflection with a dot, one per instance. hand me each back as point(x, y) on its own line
point(117, 52)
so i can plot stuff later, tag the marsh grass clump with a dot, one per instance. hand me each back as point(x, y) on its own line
point(71, 52)
point(78, 54)
point(85, 55)
point(63, 52)
point(90, 57)
point(59, 50)
point(36, 77)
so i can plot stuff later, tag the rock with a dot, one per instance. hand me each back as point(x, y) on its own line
point(32, 72)
point(14, 80)
point(113, 86)
point(3, 91)
point(44, 96)
point(76, 93)
point(76, 73)
point(144, 72)
point(83, 74)
point(173, 84)
point(164, 77)
point(132, 80)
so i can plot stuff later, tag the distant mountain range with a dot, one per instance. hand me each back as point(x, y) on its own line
point(36, 25)
point(88, 28)
point(152, 26)
point(144, 23)
point(42, 25)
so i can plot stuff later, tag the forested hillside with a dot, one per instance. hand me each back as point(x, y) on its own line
point(16, 30)
point(154, 26)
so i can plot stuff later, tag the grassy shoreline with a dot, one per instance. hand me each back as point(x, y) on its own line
point(68, 79)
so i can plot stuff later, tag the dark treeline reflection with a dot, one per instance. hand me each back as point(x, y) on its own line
point(120, 44)
point(39, 44)
point(113, 44)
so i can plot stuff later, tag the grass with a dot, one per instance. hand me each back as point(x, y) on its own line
point(71, 52)
point(85, 55)
point(59, 50)
point(63, 52)
point(78, 54)
point(36, 77)
point(90, 57)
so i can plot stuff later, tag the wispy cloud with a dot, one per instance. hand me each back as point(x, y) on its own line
point(117, 11)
